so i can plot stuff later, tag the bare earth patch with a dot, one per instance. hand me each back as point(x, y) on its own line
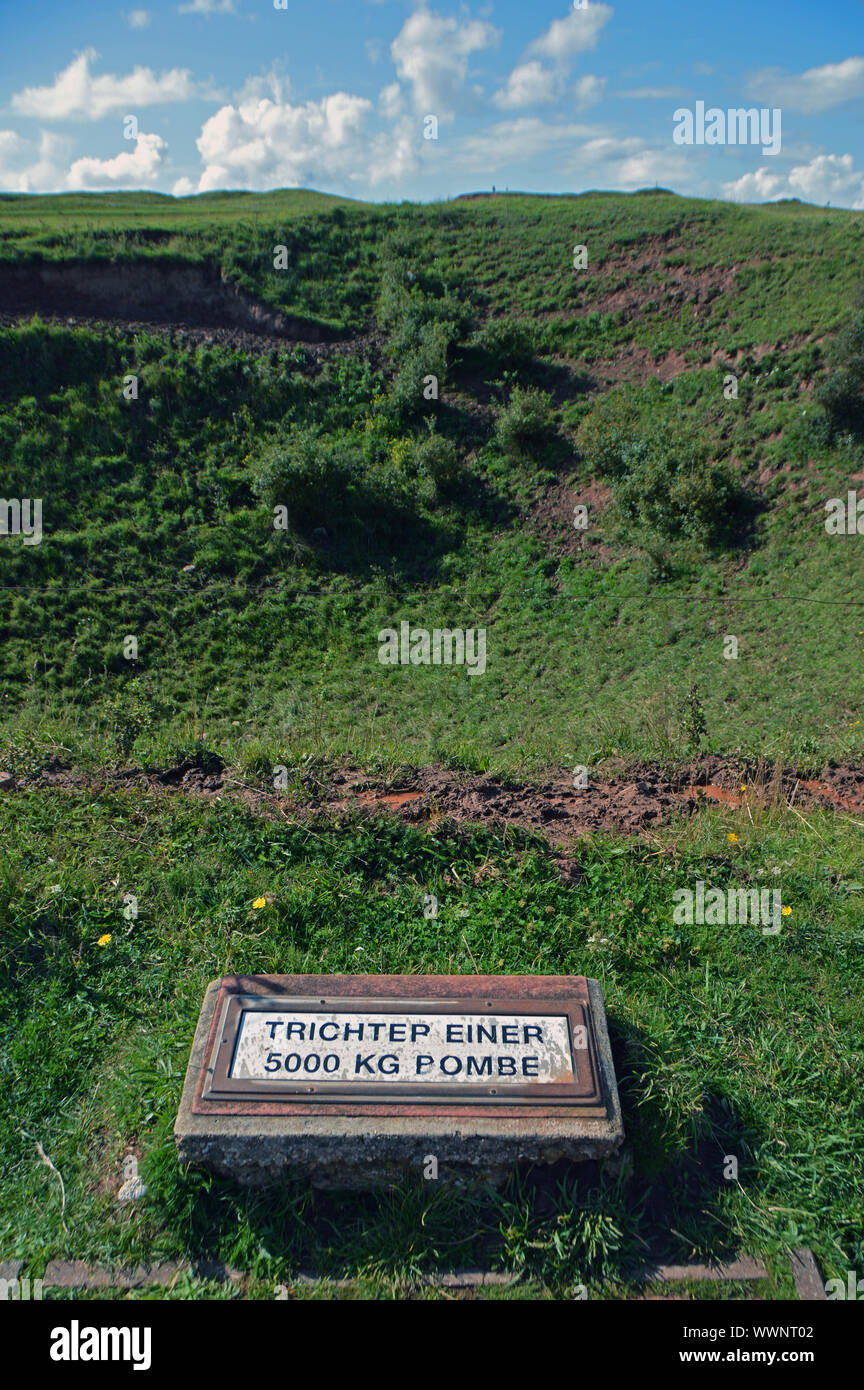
point(630, 801)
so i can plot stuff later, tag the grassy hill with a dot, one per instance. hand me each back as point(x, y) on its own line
point(590, 635)
point(698, 388)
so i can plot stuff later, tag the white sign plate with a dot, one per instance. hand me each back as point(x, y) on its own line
point(501, 1049)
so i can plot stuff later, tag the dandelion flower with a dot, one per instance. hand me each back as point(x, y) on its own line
point(104, 940)
point(786, 911)
point(732, 837)
point(260, 902)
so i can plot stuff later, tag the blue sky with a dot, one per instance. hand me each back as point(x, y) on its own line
point(337, 95)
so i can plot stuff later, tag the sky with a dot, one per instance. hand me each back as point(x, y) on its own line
point(388, 100)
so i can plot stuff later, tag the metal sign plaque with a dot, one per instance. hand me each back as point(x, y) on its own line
point(376, 1041)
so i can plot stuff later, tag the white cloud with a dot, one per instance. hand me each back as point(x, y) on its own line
point(271, 144)
point(390, 101)
point(77, 94)
point(136, 168)
point(208, 7)
point(576, 33)
point(273, 84)
point(33, 167)
point(531, 83)
point(138, 19)
point(827, 178)
point(587, 91)
point(653, 93)
point(817, 89)
point(609, 147)
point(508, 142)
point(613, 162)
point(643, 168)
point(183, 188)
point(431, 55)
point(393, 153)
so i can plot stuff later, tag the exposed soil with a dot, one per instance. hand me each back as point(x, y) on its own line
point(551, 519)
point(630, 800)
point(147, 293)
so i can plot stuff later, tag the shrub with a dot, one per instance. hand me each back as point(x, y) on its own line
point(605, 433)
point(506, 343)
point(312, 476)
point(130, 710)
point(662, 481)
point(405, 399)
point(525, 420)
point(437, 458)
point(841, 393)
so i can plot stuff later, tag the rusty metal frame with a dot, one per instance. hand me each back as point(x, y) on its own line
point(584, 1092)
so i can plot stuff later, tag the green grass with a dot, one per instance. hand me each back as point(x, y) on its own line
point(261, 645)
point(275, 633)
point(726, 1041)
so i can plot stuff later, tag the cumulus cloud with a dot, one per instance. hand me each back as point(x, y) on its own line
point(827, 178)
point(28, 166)
point(817, 89)
point(272, 144)
point(76, 94)
point(183, 188)
point(431, 55)
point(530, 84)
point(139, 167)
point(533, 83)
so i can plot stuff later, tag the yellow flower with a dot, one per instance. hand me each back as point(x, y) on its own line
point(744, 788)
point(732, 837)
point(786, 911)
point(260, 902)
point(104, 940)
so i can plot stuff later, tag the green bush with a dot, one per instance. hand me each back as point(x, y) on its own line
point(506, 343)
point(39, 357)
point(130, 710)
point(360, 488)
point(314, 477)
point(841, 393)
point(663, 482)
point(526, 420)
point(437, 458)
point(424, 319)
point(604, 434)
point(406, 400)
